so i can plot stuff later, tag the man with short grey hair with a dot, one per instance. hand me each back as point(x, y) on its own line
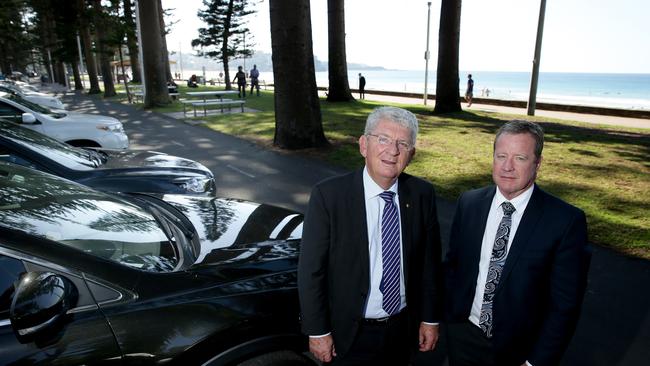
point(516, 269)
point(369, 268)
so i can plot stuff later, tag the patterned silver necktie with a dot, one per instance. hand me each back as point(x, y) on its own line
point(390, 255)
point(499, 253)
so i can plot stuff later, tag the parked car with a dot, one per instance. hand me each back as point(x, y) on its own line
point(130, 279)
point(110, 170)
point(34, 97)
point(77, 129)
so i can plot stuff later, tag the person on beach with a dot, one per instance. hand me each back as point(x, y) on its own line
point(369, 268)
point(362, 87)
point(516, 268)
point(240, 77)
point(469, 93)
point(255, 82)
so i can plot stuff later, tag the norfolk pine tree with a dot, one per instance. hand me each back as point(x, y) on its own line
point(223, 36)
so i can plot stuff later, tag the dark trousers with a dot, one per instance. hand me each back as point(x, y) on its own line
point(241, 88)
point(379, 344)
point(467, 345)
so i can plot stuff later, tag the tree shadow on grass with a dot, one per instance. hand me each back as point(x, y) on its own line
point(554, 131)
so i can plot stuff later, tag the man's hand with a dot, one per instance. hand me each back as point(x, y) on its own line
point(322, 348)
point(428, 336)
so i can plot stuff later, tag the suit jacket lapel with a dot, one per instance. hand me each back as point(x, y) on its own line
point(525, 229)
point(358, 214)
point(478, 226)
point(405, 212)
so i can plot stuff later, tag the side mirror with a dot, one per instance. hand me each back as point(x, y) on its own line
point(29, 118)
point(40, 303)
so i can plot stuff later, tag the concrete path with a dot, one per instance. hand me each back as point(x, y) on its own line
point(615, 325)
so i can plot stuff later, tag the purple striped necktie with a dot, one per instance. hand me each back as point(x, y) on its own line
point(390, 255)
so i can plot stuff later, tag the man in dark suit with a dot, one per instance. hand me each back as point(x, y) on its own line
point(369, 269)
point(516, 270)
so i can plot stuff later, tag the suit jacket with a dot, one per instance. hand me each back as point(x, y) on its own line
point(538, 299)
point(334, 270)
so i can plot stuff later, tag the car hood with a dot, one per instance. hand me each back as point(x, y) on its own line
point(233, 232)
point(86, 118)
point(133, 160)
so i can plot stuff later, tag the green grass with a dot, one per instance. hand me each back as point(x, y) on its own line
point(603, 170)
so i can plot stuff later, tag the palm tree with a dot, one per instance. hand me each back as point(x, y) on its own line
point(447, 94)
point(298, 121)
point(339, 88)
point(155, 75)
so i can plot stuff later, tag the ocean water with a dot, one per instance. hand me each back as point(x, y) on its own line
point(626, 91)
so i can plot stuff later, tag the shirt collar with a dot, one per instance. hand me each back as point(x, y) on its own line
point(372, 189)
point(520, 202)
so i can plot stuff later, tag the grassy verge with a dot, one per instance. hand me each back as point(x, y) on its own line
point(601, 169)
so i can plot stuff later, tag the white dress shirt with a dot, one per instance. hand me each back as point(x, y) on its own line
point(494, 218)
point(374, 209)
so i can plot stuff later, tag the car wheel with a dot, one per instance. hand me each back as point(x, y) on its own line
point(279, 358)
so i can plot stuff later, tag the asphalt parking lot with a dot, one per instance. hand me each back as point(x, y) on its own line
point(615, 324)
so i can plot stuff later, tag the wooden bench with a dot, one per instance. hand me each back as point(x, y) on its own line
point(225, 102)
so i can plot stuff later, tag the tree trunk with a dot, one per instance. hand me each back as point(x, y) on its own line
point(59, 71)
point(78, 85)
point(91, 66)
point(132, 42)
point(339, 87)
point(447, 94)
point(163, 38)
point(104, 58)
point(224, 47)
point(298, 121)
point(155, 76)
point(84, 31)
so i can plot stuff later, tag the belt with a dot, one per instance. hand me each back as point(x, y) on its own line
point(382, 321)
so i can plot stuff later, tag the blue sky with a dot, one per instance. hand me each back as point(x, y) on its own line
point(496, 35)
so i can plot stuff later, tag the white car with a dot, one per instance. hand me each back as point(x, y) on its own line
point(77, 129)
point(34, 97)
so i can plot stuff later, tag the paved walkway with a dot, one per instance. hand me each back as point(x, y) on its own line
point(615, 325)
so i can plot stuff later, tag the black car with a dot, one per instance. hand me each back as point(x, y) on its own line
point(109, 170)
point(93, 278)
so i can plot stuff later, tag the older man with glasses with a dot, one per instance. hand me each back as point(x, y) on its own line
point(368, 275)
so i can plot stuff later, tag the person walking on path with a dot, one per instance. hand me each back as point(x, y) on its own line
point(255, 82)
point(362, 87)
point(240, 77)
point(369, 268)
point(469, 92)
point(516, 269)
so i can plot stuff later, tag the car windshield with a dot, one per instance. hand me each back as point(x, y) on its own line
point(64, 154)
point(34, 107)
point(79, 217)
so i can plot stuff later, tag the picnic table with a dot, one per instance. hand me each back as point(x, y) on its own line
point(203, 100)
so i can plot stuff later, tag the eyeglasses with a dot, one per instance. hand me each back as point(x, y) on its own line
point(387, 141)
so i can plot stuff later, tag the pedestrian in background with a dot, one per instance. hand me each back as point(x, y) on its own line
point(240, 78)
point(362, 87)
point(469, 93)
point(255, 82)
